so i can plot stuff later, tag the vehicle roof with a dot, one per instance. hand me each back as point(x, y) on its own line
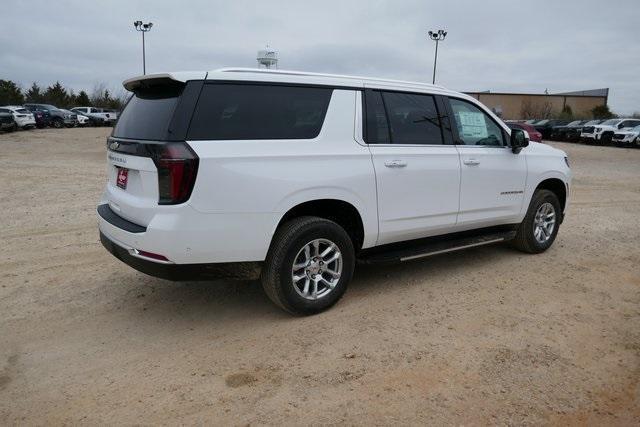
point(292, 76)
point(308, 78)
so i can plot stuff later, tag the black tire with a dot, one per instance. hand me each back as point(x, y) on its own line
point(289, 239)
point(525, 239)
point(57, 123)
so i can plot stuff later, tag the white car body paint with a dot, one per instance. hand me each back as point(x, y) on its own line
point(244, 187)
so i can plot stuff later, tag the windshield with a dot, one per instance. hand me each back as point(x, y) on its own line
point(592, 122)
point(148, 113)
point(636, 129)
point(575, 123)
point(611, 122)
point(22, 111)
point(542, 122)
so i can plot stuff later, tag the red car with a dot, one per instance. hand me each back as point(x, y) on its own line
point(534, 135)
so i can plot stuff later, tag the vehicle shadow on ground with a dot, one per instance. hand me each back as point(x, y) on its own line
point(211, 302)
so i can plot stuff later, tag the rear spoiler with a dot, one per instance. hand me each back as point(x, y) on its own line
point(149, 80)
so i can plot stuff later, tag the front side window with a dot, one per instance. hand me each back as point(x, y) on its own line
point(475, 127)
point(256, 111)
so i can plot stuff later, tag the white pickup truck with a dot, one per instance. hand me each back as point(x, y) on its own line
point(294, 177)
point(109, 118)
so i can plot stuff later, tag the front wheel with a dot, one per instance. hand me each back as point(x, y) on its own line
point(58, 124)
point(309, 265)
point(539, 228)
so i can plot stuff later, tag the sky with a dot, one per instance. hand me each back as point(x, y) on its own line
point(502, 46)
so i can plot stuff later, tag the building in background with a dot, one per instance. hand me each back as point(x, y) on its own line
point(538, 106)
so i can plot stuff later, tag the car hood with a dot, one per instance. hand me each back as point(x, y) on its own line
point(538, 147)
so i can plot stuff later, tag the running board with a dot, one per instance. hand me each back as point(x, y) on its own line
point(422, 248)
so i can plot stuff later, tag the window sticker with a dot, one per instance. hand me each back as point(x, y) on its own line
point(473, 124)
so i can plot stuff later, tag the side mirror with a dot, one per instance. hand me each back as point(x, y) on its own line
point(519, 139)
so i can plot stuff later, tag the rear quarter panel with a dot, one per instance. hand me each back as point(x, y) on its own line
point(271, 176)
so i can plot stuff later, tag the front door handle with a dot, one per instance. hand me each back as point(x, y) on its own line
point(471, 162)
point(395, 163)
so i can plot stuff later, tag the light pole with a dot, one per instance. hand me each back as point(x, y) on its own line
point(143, 28)
point(436, 36)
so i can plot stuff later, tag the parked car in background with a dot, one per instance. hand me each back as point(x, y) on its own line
point(627, 137)
point(534, 135)
point(572, 134)
point(41, 116)
point(108, 118)
point(112, 112)
point(83, 120)
point(57, 118)
point(7, 123)
point(95, 119)
point(559, 132)
point(21, 116)
point(603, 132)
point(545, 127)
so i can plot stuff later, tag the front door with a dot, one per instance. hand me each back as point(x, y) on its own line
point(493, 178)
point(417, 173)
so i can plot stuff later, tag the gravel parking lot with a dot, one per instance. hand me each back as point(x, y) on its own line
point(484, 336)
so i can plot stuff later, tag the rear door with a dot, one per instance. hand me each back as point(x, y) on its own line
point(416, 165)
point(493, 178)
point(153, 121)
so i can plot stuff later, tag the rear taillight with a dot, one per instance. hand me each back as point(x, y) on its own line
point(177, 168)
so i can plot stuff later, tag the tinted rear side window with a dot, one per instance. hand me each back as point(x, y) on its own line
point(148, 113)
point(250, 111)
point(377, 127)
point(413, 118)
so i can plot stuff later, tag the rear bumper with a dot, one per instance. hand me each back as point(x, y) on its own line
point(177, 272)
point(186, 236)
point(25, 122)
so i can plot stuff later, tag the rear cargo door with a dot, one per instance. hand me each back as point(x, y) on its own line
point(155, 117)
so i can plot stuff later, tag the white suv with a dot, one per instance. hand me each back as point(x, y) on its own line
point(603, 133)
point(294, 177)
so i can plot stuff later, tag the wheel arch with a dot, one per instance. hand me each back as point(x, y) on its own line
point(558, 187)
point(339, 211)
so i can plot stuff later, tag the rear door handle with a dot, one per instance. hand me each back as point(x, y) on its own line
point(471, 162)
point(395, 163)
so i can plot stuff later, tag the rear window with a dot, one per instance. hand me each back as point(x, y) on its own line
point(148, 113)
point(253, 111)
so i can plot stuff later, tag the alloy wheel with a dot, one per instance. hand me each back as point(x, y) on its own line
point(316, 269)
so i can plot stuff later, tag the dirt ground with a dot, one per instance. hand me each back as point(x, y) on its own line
point(478, 337)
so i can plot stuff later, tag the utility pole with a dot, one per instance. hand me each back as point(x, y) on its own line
point(436, 36)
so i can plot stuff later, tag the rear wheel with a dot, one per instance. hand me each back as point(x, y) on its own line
point(309, 265)
point(539, 228)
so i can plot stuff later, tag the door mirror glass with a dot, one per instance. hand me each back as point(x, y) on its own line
point(519, 140)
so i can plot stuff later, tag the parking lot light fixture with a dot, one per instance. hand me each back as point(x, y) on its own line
point(436, 36)
point(143, 28)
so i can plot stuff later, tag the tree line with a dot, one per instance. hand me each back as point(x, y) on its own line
point(12, 94)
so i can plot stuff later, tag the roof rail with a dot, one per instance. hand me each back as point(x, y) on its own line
point(311, 74)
